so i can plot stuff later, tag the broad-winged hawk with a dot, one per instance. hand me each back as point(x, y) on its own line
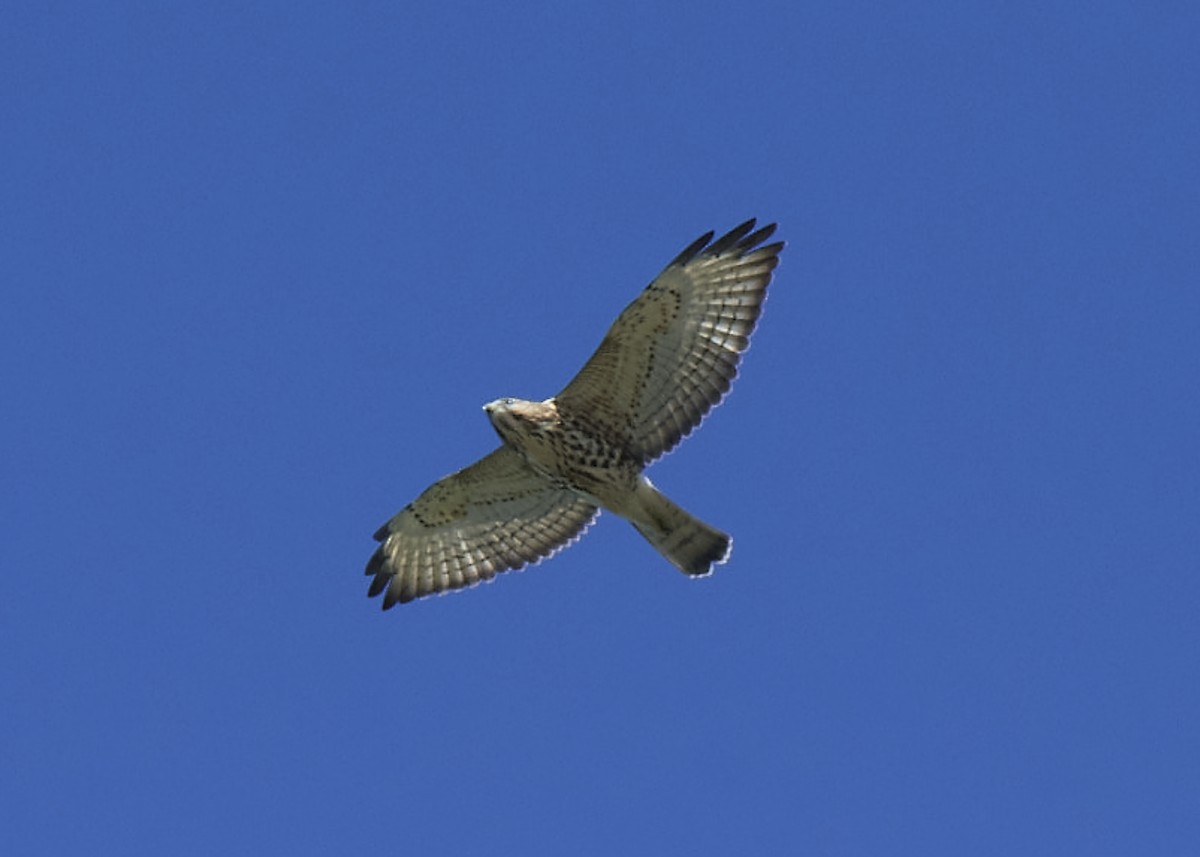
point(665, 362)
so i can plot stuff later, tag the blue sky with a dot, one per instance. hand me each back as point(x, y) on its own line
point(263, 263)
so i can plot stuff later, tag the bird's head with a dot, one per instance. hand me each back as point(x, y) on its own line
point(515, 419)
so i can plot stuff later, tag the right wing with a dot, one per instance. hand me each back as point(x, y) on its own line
point(495, 515)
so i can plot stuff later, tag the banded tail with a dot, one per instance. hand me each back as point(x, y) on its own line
point(691, 545)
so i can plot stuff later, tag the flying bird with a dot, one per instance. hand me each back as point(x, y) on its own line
point(666, 361)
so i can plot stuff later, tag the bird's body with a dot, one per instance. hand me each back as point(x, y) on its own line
point(565, 450)
point(667, 360)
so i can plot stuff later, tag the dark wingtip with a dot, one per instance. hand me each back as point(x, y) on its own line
point(378, 584)
point(753, 240)
point(742, 239)
point(731, 239)
point(375, 563)
point(693, 250)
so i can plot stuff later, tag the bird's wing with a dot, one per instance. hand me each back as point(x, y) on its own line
point(672, 354)
point(495, 515)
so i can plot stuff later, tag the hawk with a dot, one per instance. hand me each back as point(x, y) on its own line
point(665, 362)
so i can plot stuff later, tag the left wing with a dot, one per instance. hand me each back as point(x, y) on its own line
point(673, 352)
